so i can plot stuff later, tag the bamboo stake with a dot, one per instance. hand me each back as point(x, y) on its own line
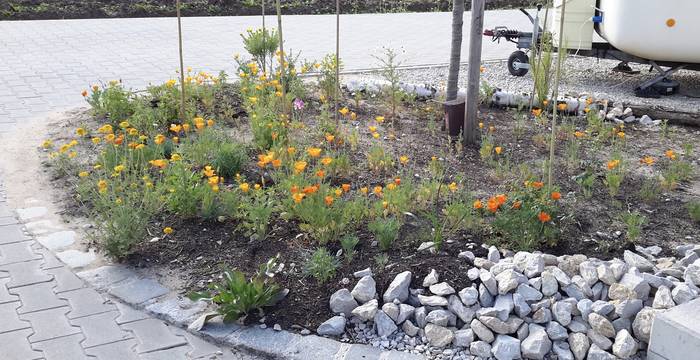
point(262, 6)
point(538, 55)
point(182, 64)
point(337, 60)
point(555, 92)
point(283, 72)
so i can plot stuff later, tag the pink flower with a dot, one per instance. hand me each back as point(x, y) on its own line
point(298, 104)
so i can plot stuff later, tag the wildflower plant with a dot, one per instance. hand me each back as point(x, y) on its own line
point(321, 265)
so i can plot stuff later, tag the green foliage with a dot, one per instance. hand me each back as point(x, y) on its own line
point(237, 296)
point(321, 265)
point(389, 65)
point(634, 222)
point(541, 68)
point(379, 160)
point(229, 159)
point(255, 213)
point(650, 190)
point(385, 230)
point(324, 218)
point(586, 181)
point(327, 81)
point(349, 242)
point(261, 44)
point(111, 101)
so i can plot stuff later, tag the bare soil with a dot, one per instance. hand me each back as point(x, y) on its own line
point(196, 253)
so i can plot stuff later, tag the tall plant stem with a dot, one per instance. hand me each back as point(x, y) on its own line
point(555, 92)
point(182, 63)
point(262, 9)
point(283, 71)
point(538, 55)
point(337, 61)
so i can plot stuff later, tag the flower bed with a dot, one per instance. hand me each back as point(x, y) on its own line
point(265, 171)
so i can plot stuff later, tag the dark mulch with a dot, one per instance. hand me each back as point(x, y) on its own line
point(88, 9)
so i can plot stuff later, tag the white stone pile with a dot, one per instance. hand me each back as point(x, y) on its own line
point(522, 305)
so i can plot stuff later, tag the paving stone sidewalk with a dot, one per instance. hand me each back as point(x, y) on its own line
point(47, 312)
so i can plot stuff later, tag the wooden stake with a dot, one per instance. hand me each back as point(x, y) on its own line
point(182, 64)
point(337, 60)
point(471, 132)
point(555, 92)
point(455, 50)
point(283, 71)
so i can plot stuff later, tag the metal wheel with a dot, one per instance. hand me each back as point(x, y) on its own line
point(516, 61)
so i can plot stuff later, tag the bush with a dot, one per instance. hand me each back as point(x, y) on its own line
point(385, 230)
point(237, 297)
point(321, 265)
point(694, 210)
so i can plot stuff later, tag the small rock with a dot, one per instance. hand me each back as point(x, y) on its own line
point(528, 292)
point(683, 293)
point(561, 311)
point(420, 314)
point(481, 349)
point(542, 316)
point(537, 344)
point(520, 305)
point(628, 308)
point(405, 312)
point(642, 324)
point(442, 289)
point(550, 286)
point(555, 331)
point(494, 256)
point(432, 300)
point(485, 297)
point(606, 274)
point(438, 336)
point(365, 290)
point(469, 296)
point(277, 327)
point(692, 274)
point(620, 324)
point(466, 255)
point(342, 302)
point(431, 278)
point(638, 261)
point(425, 246)
point(599, 340)
point(334, 326)
point(562, 351)
point(579, 344)
point(398, 289)
point(463, 338)
point(601, 325)
point(534, 265)
point(488, 280)
point(498, 326)
point(456, 307)
point(473, 273)
point(503, 306)
point(440, 317)
point(409, 328)
point(602, 307)
point(367, 310)
point(391, 310)
point(625, 346)
point(589, 272)
point(362, 273)
point(507, 281)
point(637, 284)
point(385, 326)
point(481, 331)
point(506, 348)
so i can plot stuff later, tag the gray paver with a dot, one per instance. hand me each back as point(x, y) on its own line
point(37, 297)
point(49, 324)
point(104, 276)
point(26, 273)
point(86, 302)
point(122, 350)
point(5, 296)
point(199, 347)
point(15, 346)
point(179, 352)
point(63, 348)
point(50, 261)
point(128, 314)
point(57, 240)
point(138, 291)
point(65, 280)
point(153, 335)
point(17, 252)
point(9, 320)
point(11, 234)
point(7, 220)
point(100, 329)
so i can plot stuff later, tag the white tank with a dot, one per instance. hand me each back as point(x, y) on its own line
point(578, 24)
point(661, 30)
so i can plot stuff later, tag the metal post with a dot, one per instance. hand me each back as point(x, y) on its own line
point(471, 133)
point(555, 92)
point(283, 71)
point(262, 6)
point(337, 60)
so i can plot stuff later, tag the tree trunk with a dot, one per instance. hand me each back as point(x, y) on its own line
point(456, 49)
point(471, 131)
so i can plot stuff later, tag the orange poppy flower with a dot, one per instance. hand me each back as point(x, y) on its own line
point(544, 217)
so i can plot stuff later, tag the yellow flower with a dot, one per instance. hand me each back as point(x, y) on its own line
point(175, 157)
point(210, 122)
point(291, 150)
point(477, 204)
point(83, 174)
point(621, 134)
point(377, 190)
point(330, 138)
point(579, 134)
point(176, 128)
point(124, 124)
point(298, 197)
point(328, 200)
point(253, 99)
point(208, 171)
point(159, 163)
point(168, 230)
point(372, 129)
point(119, 168)
point(379, 119)
point(452, 186)
point(364, 190)
point(670, 154)
point(321, 174)
point(498, 150)
point(481, 125)
point(647, 160)
point(338, 192)
point(80, 131)
point(299, 166)
point(105, 129)
point(276, 163)
point(344, 111)
point(244, 187)
point(612, 164)
point(159, 139)
point(133, 132)
point(562, 107)
point(140, 146)
point(403, 159)
point(314, 152)
point(72, 154)
point(257, 187)
point(47, 144)
point(326, 161)
point(353, 116)
point(170, 83)
point(199, 123)
point(375, 135)
point(102, 186)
